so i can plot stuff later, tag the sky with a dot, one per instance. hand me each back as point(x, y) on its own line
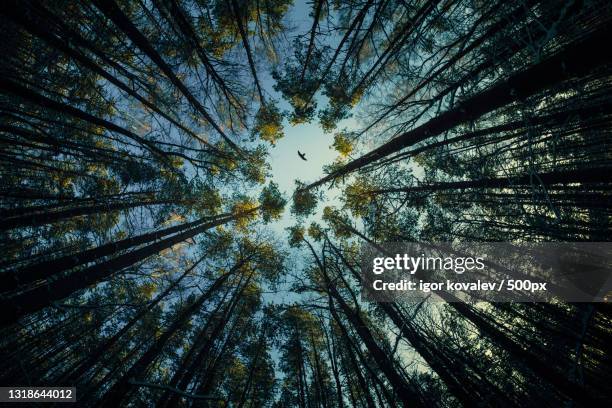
point(287, 166)
point(309, 138)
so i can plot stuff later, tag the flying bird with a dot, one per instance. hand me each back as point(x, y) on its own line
point(302, 155)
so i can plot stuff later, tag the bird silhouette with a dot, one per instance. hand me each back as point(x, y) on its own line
point(302, 155)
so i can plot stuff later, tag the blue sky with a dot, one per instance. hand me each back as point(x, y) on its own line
point(308, 138)
point(287, 166)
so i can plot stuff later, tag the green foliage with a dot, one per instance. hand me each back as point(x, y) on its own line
point(268, 259)
point(220, 242)
point(304, 201)
point(338, 222)
point(255, 168)
point(272, 202)
point(296, 90)
point(204, 199)
point(137, 195)
point(244, 210)
point(315, 231)
point(343, 144)
point(357, 196)
point(296, 235)
point(336, 165)
point(268, 123)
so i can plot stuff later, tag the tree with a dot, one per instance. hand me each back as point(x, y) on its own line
point(139, 260)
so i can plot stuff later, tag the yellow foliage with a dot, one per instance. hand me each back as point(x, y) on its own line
point(314, 231)
point(244, 212)
point(147, 290)
point(358, 196)
point(174, 218)
point(342, 144)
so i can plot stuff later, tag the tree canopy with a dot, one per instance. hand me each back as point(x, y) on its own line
point(139, 211)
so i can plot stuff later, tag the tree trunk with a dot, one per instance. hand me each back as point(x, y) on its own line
point(575, 60)
point(49, 217)
point(245, 42)
point(38, 26)
point(583, 176)
point(38, 298)
point(81, 367)
point(432, 357)
point(112, 11)
point(313, 32)
point(62, 108)
point(405, 392)
point(116, 394)
point(46, 269)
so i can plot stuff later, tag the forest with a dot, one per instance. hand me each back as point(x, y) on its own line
point(153, 255)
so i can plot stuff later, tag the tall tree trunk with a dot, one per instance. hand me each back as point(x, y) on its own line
point(40, 297)
point(253, 366)
point(188, 366)
point(436, 72)
point(177, 16)
point(575, 60)
point(313, 31)
point(357, 20)
point(46, 269)
point(206, 387)
point(396, 43)
point(518, 128)
point(112, 11)
point(583, 176)
point(117, 393)
point(525, 357)
point(245, 42)
point(49, 217)
point(37, 24)
point(62, 108)
point(331, 355)
point(81, 367)
point(433, 358)
point(405, 392)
